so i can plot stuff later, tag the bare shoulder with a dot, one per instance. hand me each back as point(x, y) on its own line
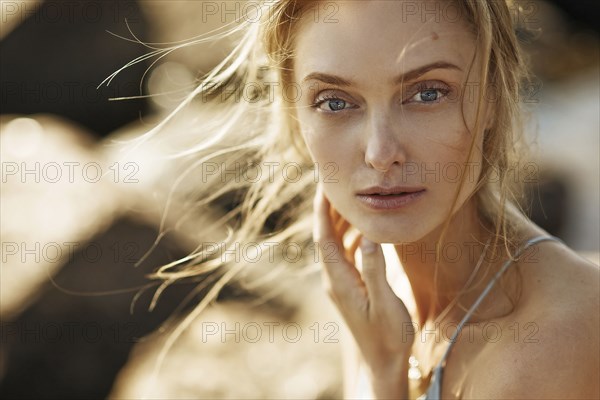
point(554, 275)
point(550, 347)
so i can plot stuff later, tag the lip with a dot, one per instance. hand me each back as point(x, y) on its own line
point(389, 202)
point(389, 190)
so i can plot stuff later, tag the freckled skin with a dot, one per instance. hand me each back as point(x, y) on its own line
point(373, 144)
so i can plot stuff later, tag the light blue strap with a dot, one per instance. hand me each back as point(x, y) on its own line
point(435, 387)
point(434, 392)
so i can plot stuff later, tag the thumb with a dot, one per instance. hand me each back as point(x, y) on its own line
point(373, 269)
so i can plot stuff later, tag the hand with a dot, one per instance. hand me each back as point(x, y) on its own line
point(377, 318)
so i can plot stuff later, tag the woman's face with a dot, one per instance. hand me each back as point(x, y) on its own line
point(365, 126)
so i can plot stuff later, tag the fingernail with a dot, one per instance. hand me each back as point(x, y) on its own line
point(366, 246)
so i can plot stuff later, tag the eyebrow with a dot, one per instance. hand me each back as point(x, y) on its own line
point(407, 76)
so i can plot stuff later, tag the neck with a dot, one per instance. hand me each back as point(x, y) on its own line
point(459, 253)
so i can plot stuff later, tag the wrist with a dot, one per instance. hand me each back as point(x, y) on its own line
point(390, 381)
point(391, 366)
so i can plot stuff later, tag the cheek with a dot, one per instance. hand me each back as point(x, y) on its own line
point(326, 143)
point(334, 163)
point(443, 131)
point(441, 154)
point(453, 165)
point(335, 160)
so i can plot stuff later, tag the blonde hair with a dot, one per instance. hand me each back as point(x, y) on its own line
point(260, 129)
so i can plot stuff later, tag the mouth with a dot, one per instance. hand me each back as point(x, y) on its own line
point(389, 198)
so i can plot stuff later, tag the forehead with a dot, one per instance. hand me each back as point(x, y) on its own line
point(381, 36)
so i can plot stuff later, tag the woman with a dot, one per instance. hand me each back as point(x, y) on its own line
point(409, 110)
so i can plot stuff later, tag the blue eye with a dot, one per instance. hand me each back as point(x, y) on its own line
point(333, 104)
point(336, 104)
point(429, 95)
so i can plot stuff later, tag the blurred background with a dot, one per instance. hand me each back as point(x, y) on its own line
point(77, 214)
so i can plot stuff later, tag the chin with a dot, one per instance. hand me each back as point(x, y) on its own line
point(395, 233)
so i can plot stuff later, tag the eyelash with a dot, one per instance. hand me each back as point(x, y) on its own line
point(317, 103)
point(420, 87)
point(443, 89)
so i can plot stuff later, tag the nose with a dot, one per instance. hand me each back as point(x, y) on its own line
point(384, 146)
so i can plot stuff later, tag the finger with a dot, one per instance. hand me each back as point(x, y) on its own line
point(374, 271)
point(334, 214)
point(340, 277)
point(322, 227)
point(354, 245)
point(329, 223)
point(341, 226)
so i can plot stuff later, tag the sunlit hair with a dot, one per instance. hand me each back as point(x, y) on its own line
point(262, 128)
